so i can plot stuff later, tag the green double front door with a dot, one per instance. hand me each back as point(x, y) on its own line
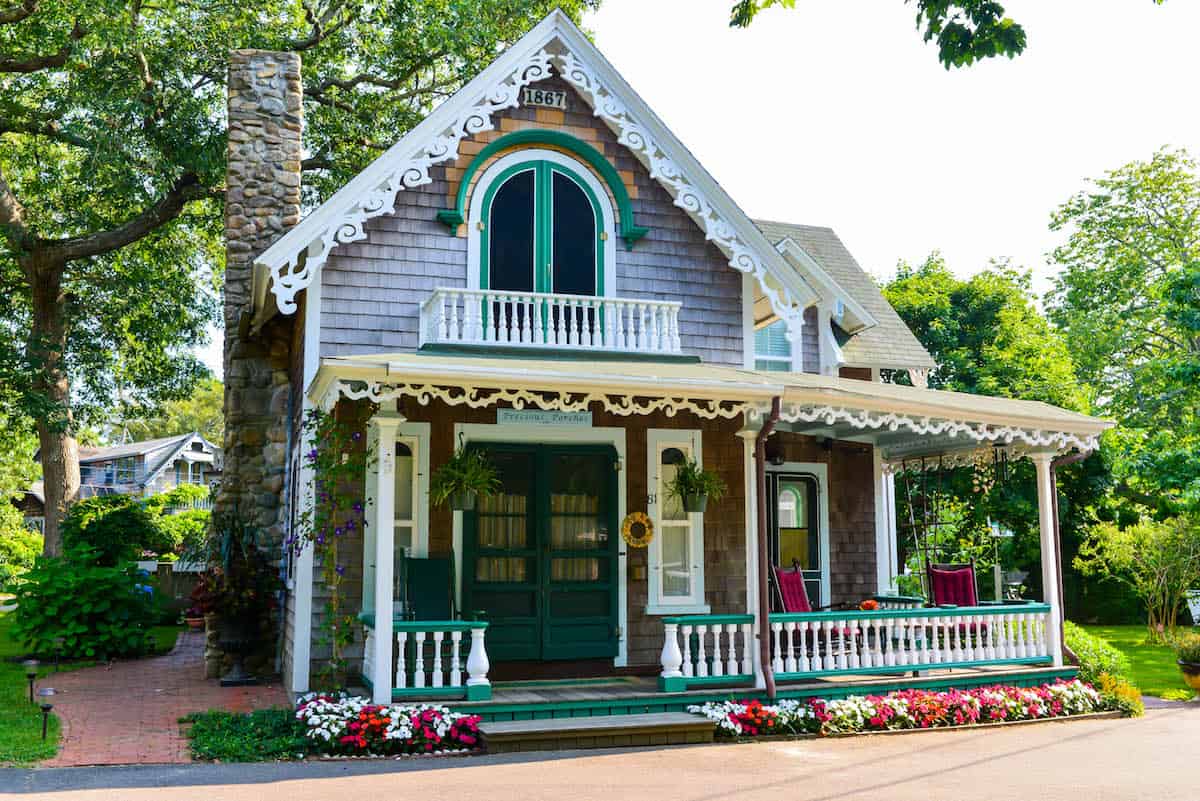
point(540, 555)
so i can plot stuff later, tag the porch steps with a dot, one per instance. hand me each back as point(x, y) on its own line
point(603, 731)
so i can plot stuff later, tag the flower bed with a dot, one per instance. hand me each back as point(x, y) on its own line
point(350, 725)
point(903, 709)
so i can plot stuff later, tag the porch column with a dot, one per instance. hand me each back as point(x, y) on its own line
point(886, 558)
point(1050, 567)
point(382, 435)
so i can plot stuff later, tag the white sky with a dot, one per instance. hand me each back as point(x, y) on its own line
point(837, 113)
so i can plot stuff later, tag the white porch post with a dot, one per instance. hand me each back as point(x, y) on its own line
point(751, 493)
point(1050, 567)
point(382, 435)
point(886, 557)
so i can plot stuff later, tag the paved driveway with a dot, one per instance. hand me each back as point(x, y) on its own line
point(1148, 758)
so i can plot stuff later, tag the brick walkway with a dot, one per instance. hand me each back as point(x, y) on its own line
point(127, 712)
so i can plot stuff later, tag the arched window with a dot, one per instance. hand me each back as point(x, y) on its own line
point(543, 226)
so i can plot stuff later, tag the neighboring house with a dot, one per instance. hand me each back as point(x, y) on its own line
point(541, 270)
point(136, 468)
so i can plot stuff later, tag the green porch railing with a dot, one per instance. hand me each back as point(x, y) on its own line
point(814, 644)
point(427, 658)
point(695, 663)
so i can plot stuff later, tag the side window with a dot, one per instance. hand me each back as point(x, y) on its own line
point(772, 350)
point(676, 554)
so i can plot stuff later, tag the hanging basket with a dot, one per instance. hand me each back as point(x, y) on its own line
point(695, 504)
point(463, 501)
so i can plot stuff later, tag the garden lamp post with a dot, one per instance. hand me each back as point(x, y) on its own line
point(47, 703)
point(31, 669)
point(59, 643)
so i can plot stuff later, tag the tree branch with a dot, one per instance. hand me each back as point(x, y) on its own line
point(164, 210)
point(18, 12)
point(12, 216)
point(39, 63)
point(49, 129)
point(321, 29)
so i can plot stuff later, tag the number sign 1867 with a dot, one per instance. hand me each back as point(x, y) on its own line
point(550, 98)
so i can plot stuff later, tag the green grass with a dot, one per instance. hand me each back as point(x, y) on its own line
point(163, 638)
point(1154, 668)
point(20, 721)
point(262, 736)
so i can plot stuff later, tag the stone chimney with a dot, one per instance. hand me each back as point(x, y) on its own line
point(262, 200)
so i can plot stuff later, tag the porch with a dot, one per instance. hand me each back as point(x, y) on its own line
point(663, 628)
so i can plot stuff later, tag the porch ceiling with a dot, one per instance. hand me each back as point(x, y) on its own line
point(903, 421)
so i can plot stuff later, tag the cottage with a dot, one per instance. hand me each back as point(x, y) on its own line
point(542, 272)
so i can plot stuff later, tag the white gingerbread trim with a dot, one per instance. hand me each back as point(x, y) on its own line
point(294, 261)
point(548, 400)
point(930, 426)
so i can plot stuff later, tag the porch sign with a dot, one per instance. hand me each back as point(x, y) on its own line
point(536, 417)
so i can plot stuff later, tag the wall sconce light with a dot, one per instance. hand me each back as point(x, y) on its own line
point(773, 449)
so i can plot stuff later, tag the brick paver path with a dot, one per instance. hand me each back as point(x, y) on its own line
point(128, 712)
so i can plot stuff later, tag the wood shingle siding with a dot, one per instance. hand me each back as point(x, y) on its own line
point(373, 289)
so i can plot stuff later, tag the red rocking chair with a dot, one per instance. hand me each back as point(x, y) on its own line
point(952, 585)
point(792, 595)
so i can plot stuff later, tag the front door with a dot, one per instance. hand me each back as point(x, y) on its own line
point(795, 528)
point(540, 555)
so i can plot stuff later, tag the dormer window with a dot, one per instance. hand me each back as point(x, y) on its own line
point(543, 229)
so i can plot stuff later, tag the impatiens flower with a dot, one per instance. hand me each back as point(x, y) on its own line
point(340, 570)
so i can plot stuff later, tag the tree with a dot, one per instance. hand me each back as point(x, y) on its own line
point(987, 337)
point(1160, 560)
point(112, 146)
point(1128, 302)
point(201, 411)
point(966, 31)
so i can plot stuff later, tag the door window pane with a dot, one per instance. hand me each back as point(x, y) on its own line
point(510, 231)
point(405, 475)
point(796, 521)
point(574, 238)
point(671, 506)
point(676, 561)
point(501, 569)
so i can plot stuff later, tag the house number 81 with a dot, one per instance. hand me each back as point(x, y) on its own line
point(545, 97)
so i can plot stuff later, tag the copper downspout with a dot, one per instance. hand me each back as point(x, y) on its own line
point(764, 590)
point(1062, 461)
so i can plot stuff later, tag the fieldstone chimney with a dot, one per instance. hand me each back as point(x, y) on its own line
point(262, 200)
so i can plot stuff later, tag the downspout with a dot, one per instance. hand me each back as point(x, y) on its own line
point(1062, 461)
point(764, 590)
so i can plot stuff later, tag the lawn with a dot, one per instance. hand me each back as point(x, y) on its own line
point(1154, 668)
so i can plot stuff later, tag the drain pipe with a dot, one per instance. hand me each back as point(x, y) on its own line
point(1062, 461)
point(764, 590)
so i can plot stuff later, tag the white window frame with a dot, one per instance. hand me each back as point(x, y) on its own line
point(689, 441)
point(416, 437)
point(793, 362)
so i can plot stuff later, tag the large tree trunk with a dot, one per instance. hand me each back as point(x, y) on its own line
point(47, 349)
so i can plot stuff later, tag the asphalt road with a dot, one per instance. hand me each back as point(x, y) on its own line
point(1149, 758)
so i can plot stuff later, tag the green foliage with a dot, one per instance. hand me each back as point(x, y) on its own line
point(202, 411)
point(182, 495)
point(966, 30)
point(19, 546)
point(260, 736)
point(99, 611)
point(339, 457)
point(242, 580)
point(466, 471)
point(183, 532)
point(114, 528)
point(1127, 299)
point(691, 479)
point(987, 337)
point(1095, 655)
point(18, 443)
point(1160, 560)
point(1187, 648)
point(1152, 664)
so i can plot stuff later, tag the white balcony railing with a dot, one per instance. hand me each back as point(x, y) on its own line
point(541, 319)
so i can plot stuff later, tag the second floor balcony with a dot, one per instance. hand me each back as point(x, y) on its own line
point(504, 318)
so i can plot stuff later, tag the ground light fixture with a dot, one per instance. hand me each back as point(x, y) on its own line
point(46, 702)
point(59, 644)
point(31, 669)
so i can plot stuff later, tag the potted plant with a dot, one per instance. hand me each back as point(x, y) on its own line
point(465, 477)
point(694, 486)
point(1187, 654)
point(194, 617)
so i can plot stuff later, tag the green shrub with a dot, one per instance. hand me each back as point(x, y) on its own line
point(1187, 648)
point(1120, 696)
point(184, 532)
point(19, 546)
point(99, 611)
point(183, 495)
point(1095, 655)
point(259, 736)
point(116, 528)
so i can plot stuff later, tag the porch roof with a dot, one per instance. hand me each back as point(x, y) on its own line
point(904, 421)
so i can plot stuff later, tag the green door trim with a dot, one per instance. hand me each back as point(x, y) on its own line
point(543, 222)
point(542, 586)
point(540, 136)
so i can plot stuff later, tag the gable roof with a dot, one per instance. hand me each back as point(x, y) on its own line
point(553, 45)
point(888, 343)
point(88, 455)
